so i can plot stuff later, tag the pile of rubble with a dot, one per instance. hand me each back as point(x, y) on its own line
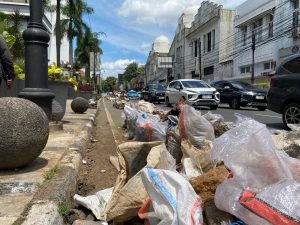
point(187, 168)
point(119, 102)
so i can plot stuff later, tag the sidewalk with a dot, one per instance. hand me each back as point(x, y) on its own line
point(51, 178)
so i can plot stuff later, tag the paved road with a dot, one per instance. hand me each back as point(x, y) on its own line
point(271, 119)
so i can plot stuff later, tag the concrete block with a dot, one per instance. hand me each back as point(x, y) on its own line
point(44, 214)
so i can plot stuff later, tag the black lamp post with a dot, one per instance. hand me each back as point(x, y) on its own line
point(36, 60)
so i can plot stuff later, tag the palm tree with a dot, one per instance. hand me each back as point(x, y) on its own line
point(58, 32)
point(86, 44)
point(18, 48)
point(74, 26)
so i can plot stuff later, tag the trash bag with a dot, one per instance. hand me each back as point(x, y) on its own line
point(258, 170)
point(200, 157)
point(174, 139)
point(173, 199)
point(131, 116)
point(96, 203)
point(194, 127)
point(213, 118)
point(148, 130)
point(129, 193)
point(146, 107)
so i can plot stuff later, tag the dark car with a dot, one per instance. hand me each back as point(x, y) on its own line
point(239, 93)
point(284, 94)
point(154, 93)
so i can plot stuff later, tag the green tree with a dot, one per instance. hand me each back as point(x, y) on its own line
point(87, 43)
point(15, 21)
point(73, 25)
point(131, 71)
point(109, 84)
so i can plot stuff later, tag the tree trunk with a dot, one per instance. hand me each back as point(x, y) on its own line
point(71, 52)
point(58, 32)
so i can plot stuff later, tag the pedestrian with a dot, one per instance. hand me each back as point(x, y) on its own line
point(6, 64)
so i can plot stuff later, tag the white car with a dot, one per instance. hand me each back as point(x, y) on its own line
point(198, 93)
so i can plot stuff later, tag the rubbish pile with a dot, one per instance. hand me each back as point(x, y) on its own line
point(119, 101)
point(185, 168)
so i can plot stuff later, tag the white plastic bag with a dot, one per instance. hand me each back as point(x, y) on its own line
point(173, 199)
point(194, 127)
point(213, 118)
point(96, 203)
point(260, 173)
point(148, 130)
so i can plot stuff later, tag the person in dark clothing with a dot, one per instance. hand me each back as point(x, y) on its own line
point(6, 64)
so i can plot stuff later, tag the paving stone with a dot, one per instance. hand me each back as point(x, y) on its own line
point(7, 220)
point(13, 205)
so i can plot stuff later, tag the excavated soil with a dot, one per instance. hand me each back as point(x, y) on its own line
point(98, 173)
point(206, 185)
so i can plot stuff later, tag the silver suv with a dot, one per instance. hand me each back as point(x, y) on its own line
point(196, 92)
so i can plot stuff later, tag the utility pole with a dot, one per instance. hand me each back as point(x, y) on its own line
point(200, 60)
point(253, 55)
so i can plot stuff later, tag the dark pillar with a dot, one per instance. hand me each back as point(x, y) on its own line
point(36, 40)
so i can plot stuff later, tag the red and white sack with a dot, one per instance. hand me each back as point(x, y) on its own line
point(265, 187)
point(173, 199)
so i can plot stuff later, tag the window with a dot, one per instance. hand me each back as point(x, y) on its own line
point(290, 67)
point(267, 66)
point(194, 75)
point(245, 69)
point(172, 84)
point(209, 42)
point(204, 43)
point(214, 39)
point(218, 85)
point(244, 34)
point(196, 48)
point(195, 84)
point(257, 30)
point(271, 25)
point(209, 70)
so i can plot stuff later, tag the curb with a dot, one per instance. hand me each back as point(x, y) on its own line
point(44, 207)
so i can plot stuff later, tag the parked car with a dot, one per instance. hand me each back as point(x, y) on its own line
point(284, 93)
point(154, 93)
point(239, 93)
point(198, 93)
point(133, 95)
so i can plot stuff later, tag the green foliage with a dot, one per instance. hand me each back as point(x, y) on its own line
point(109, 84)
point(51, 173)
point(133, 70)
point(64, 209)
point(18, 47)
point(10, 39)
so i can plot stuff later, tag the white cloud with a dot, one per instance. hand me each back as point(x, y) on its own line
point(162, 13)
point(115, 67)
point(145, 46)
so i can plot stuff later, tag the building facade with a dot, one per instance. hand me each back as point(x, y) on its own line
point(159, 63)
point(210, 43)
point(180, 50)
point(9, 6)
point(272, 28)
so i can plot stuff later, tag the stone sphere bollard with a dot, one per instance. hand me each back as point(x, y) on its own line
point(57, 111)
point(24, 132)
point(80, 105)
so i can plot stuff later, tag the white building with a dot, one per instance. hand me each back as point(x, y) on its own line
point(273, 27)
point(210, 43)
point(8, 7)
point(159, 63)
point(180, 48)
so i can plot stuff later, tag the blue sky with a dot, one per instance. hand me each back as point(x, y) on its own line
point(131, 27)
